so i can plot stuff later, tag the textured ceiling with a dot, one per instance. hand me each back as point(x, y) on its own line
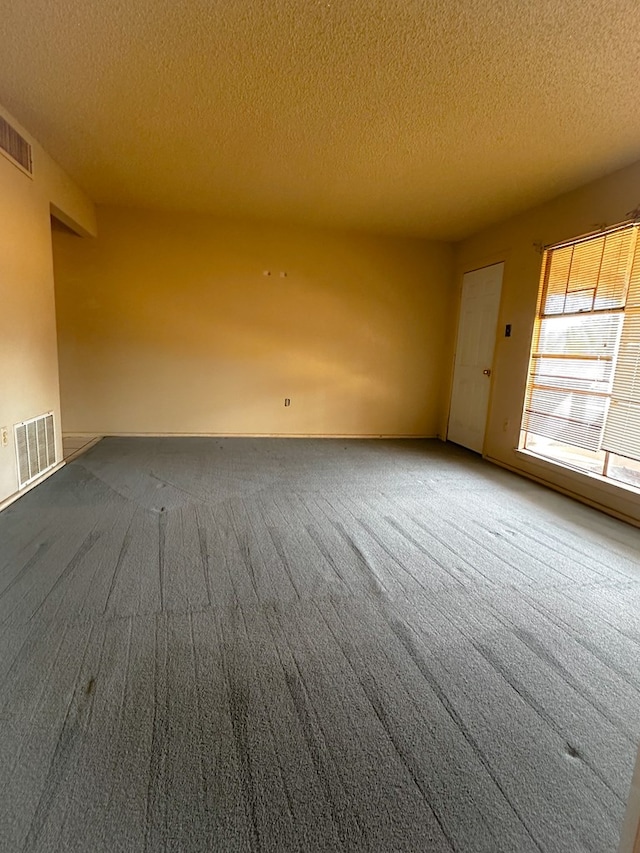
point(431, 118)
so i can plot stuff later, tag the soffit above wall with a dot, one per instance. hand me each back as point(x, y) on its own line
point(431, 118)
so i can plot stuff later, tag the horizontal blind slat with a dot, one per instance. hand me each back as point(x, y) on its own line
point(622, 432)
point(633, 295)
point(590, 335)
point(614, 273)
point(557, 279)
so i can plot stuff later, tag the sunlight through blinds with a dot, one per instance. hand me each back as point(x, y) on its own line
point(622, 432)
point(583, 386)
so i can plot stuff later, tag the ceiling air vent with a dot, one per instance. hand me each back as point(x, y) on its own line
point(15, 146)
point(35, 447)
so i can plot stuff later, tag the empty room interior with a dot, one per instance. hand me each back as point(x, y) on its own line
point(320, 426)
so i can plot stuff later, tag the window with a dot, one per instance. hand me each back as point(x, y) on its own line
point(582, 404)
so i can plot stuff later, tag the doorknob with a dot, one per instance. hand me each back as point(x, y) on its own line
point(487, 372)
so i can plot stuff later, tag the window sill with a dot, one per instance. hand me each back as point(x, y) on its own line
point(614, 486)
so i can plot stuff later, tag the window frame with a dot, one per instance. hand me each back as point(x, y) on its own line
point(598, 466)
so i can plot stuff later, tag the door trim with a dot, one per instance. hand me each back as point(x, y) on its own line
point(458, 308)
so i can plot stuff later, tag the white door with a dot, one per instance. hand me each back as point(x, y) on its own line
point(474, 356)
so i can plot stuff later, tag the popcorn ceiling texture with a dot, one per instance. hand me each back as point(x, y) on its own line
point(390, 115)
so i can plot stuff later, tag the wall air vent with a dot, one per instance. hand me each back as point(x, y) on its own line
point(35, 448)
point(15, 146)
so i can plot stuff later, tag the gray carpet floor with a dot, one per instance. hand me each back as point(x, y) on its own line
point(300, 645)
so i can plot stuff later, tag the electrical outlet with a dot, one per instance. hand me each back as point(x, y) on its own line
point(4, 436)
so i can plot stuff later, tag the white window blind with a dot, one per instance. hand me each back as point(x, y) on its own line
point(622, 432)
point(583, 387)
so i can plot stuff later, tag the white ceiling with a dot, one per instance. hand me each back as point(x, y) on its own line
point(416, 116)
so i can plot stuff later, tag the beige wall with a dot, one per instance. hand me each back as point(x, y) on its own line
point(606, 201)
point(29, 375)
point(167, 324)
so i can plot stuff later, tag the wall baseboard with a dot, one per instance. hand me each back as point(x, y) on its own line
point(17, 495)
point(262, 435)
point(91, 442)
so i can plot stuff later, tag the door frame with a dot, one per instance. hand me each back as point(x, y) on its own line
point(493, 261)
